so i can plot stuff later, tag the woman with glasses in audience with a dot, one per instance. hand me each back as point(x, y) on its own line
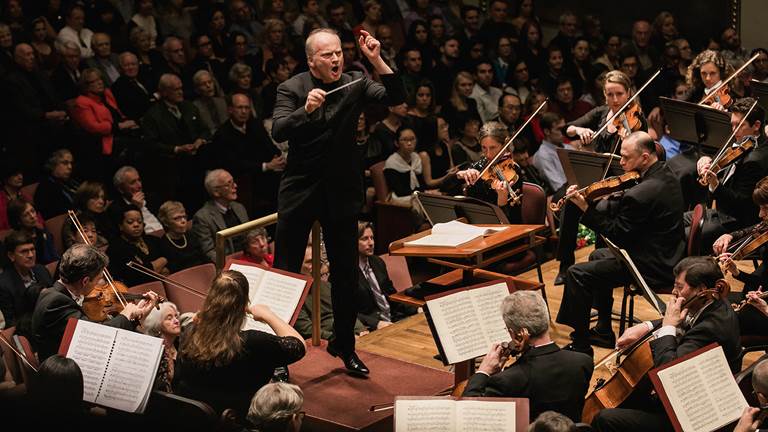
point(257, 248)
point(177, 245)
point(91, 202)
point(222, 364)
point(403, 169)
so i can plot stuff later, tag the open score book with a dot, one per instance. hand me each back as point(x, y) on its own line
point(119, 366)
point(466, 321)
point(424, 413)
point(453, 234)
point(283, 292)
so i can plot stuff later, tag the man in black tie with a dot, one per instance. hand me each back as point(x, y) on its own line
point(132, 95)
point(323, 180)
point(374, 309)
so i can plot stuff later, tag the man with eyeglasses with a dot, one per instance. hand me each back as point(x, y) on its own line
point(323, 180)
point(220, 212)
point(21, 281)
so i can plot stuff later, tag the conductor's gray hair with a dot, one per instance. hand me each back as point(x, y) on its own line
point(308, 48)
point(525, 310)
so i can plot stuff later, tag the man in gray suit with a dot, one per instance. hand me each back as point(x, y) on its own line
point(218, 213)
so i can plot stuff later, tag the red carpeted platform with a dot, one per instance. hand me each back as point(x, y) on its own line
point(335, 401)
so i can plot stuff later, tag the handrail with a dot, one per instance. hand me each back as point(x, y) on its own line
point(271, 219)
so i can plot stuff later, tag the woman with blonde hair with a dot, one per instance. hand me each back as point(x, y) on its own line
point(460, 105)
point(222, 364)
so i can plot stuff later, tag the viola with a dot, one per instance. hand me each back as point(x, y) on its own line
point(103, 301)
point(601, 189)
point(629, 374)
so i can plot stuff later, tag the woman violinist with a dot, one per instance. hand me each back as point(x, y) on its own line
point(753, 319)
point(617, 89)
point(494, 189)
point(705, 74)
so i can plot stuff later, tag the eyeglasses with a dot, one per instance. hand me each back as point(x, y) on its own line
point(407, 139)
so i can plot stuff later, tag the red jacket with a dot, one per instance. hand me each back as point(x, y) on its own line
point(94, 117)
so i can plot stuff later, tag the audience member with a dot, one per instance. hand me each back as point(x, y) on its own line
point(221, 211)
point(220, 363)
point(381, 143)
point(23, 217)
point(276, 407)
point(21, 281)
point(42, 40)
point(178, 245)
point(403, 168)
point(131, 244)
point(150, 59)
point(90, 200)
point(641, 47)
point(565, 38)
point(565, 103)
point(486, 95)
point(104, 59)
point(460, 106)
point(127, 182)
point(163, 322)
point(11, 180)
point(131, 93)
point(257, 248)
point(551, 421)
point(144, 18)
point(66, 75)
point(76, 32)
point(438, 168)
point(175, 60)
point(546, 159)
point(467, 147)
point(212, 108)
point(242, 22)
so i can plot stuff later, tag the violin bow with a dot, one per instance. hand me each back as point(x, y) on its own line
point(107, 276)
point(162, 278)
point(733, 75)
point(18, 353)
point(512, 139)
point(618, 113)
point(723, 149)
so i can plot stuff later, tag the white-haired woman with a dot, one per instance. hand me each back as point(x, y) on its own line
point(164, 323)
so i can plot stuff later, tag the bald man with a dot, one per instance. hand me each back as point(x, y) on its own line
point(323, 177)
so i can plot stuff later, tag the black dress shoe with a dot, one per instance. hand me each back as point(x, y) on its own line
point(560, 279)
point(351, 361)
point(281, 374)
point(582, 348)
point(602, 340)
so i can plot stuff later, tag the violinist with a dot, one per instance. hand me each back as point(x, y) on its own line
point(706, 319)
point(552, 378)
point(753, 418)
point(732, 186)
point(705, 74)
point(752, 320)
point(493, 135)
point(617, 89)
point(646, 221)
point(80, 271)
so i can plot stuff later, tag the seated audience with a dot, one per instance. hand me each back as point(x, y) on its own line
point(276, 407)
point(80, 271)
point(546, 159)
point(375, 310)
point(104, 59)
point(88, 224)
point(257, 248)
point(223, 365)
point(75, 30)
point(466, 149)
point(131, 244)
point(130, 90)
point(403, 169)
point(163, 322)
point(220, 212)
point(23, 217)
point(67, 74)
point(11, 182)
point(21, 281)
point(90, 200)
point(212, 108)
point(381, 143)
point(128, 184)
point(56, 192)
point(552, 378)
point(438, 168)
point(178, 245)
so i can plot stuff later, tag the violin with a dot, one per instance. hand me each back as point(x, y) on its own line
point(104, 302)
point(737, 307)
point(601, 189)
point(752, 242)
point(504, 171)
point(729, 156)
point(721, 94)
point(630, 120)
point(628, 374)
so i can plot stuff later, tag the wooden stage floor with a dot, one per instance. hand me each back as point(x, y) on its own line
point(410, 340)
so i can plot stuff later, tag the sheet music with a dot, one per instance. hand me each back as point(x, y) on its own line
point(702, 392)
point(485, 416)
point(253, 274)
point(487, 302)
point(424, 415)
point(457, 323)
point(648, 293)
point(131, 371)
point(90, 348)
point(453, 234)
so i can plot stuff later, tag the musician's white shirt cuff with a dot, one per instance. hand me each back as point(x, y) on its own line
point(484, 373)
point(666, 331)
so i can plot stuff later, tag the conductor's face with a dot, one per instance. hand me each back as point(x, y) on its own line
point(327, 60)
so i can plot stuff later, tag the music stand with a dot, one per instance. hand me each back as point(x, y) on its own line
point(441, 208)
point(709, 127)
point(645, 290)
point(582, 168)
point(760, 92)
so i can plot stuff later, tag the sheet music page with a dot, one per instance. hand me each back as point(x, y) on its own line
point(485, 416)
point(487, 302)
point(424, 415)
point(703, 392)
point(253, 274)
point(452, 234)
point(131, 371)
point(90, 348)
point(457, 323)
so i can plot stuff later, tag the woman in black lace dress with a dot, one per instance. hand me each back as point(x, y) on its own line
point(222, 364)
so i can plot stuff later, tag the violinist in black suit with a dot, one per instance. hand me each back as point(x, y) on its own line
point(553, 379)
point(647, 221)
point(322, 179)
point(80, 270)
point(732, 187)
point(705, 319)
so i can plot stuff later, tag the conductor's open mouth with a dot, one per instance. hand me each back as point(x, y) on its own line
point(335, 69)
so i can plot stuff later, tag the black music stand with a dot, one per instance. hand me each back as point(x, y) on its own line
point(694, 123)
point(642, 286)
point(582, 168)
point(441, 208)
point(760, 92)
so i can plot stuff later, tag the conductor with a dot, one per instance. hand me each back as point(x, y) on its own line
point(323, 176)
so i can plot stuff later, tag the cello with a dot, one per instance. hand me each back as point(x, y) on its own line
point(633, 363)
